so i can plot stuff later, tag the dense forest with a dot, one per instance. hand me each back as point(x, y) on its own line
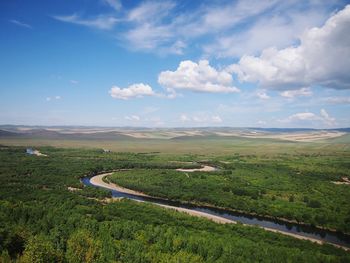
point(47, 215)
point(299, 188)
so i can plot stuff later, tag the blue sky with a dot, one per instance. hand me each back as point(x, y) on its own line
point(170, 63)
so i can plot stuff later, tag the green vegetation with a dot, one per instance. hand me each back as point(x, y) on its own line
point(294, 187)
point(42, 221)
point(202, 145)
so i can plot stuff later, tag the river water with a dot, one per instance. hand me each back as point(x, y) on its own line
point(301, 230)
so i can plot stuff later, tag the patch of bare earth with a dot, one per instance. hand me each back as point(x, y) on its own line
point(205, 168)
point(344, 180)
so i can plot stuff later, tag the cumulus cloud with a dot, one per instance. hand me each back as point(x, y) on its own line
point(320, 59)
point(133, 91)
point(105, 22)
point(309, 118)
point(296, 93)
point(199, 77)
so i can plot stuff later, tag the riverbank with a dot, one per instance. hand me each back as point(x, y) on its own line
point(136, 182)
point(98, 181)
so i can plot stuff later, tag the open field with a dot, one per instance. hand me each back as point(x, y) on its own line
point(185, 145)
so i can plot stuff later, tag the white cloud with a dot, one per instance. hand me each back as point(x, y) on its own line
point(148, 36)
point(213, 18)
point(216, 119)
point(149, 110)
point(170, 26)
point(18, 23)
point(132, 118)
point(150, 11)
point(201, 118)
point(262, 123)
point(149, 32)
point(158, 26)
point(278, 30)
point(171, 94)
point(74, 82)
point(326, 118)
point(303, 116)
point(184, 118)
point(310, 118)
point(200, 77)
point(157, 29)
point(321, 58)
point(105, 22)
point(53, 98)
point(133, 91)
point(262, 95)
point(338, 100)
point(115, 4)
point(176, 48)
point(296, 93)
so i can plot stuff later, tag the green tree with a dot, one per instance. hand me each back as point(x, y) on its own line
point(39, 249)
point(82, 248)
point(5, 257)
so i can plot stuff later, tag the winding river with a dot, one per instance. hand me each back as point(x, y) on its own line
point(226, 216)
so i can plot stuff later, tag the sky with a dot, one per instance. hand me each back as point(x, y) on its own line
point(243, 63)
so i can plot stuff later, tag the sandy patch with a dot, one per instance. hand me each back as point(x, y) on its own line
point(138, 135)
point(205, 168)
point(345, 180)
point(73, 189)
point(307, 137)
point(98, 181)
point(227, 134)
point(35, 152)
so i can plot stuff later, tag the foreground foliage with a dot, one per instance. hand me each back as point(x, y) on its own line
point(42, 221)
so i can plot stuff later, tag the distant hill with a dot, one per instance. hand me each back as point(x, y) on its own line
point(7, 134)
point(175, 134)
point(48, 134)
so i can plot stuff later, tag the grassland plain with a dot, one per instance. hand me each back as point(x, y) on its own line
point(39, 213)
point(205, 145)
